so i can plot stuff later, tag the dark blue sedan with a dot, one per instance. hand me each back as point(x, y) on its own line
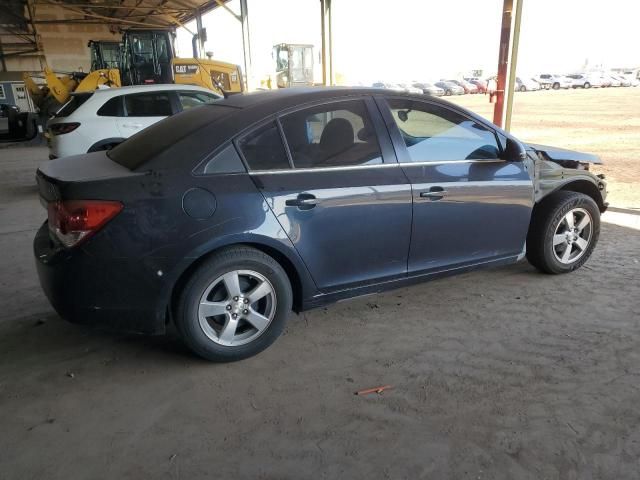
point(225, 218)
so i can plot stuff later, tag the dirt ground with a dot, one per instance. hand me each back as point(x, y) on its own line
point(498, 374)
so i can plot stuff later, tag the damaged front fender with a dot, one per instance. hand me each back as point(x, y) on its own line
point(561, 169)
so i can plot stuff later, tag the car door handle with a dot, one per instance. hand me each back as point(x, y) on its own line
point(304, 201)
point(132, 125)
point(434, 193)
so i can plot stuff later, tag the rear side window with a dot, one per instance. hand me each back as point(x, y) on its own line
point(194, 99)
point(263, 148)
point(73, 104)
point(152, 104)
point(333, 135)
point(226, 161)
point(113, 108)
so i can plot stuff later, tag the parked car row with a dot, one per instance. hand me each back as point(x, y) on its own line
point(543, 81)
point(585, 80)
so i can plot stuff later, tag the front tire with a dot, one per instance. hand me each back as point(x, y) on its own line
point(587, 85)
point(564, 231)
point(234, 305)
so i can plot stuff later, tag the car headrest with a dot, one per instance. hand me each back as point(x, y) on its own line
point(337, 136)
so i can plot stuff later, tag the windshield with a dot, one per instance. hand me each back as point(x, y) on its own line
point(297, 58)
point(308, 57)
point(142, 46)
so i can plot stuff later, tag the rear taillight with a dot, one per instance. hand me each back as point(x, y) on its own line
point(74, 221)
point(62, 128)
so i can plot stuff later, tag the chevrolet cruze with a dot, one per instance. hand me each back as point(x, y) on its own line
point(226, 217)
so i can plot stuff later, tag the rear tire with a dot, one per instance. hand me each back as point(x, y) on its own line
point(587, 85)
point(556, 86)
point(234, 305)
point(564, 231)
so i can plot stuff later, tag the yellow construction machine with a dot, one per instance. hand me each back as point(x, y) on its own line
point(148, 58)
point(56, 88)
point(144, 57)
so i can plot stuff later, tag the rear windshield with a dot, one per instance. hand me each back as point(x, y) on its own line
point(152, 141)
point(73, 104)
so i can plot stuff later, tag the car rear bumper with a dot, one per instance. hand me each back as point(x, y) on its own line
point(83, 290)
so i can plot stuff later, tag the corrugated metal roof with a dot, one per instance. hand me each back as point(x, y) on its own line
point(123, 13)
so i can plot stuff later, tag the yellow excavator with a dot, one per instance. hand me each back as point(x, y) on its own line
point(56, 87)
point(143, 57)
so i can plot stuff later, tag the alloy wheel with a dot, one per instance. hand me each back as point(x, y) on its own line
point(572, 236)
point(237, 307)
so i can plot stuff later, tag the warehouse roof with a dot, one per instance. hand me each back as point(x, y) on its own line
point(124, 13)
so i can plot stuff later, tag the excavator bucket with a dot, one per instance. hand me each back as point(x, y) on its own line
point(59, 87)
point(106, 77)
point(36, 92)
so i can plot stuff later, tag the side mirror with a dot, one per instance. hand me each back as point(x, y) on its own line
point(514, 151)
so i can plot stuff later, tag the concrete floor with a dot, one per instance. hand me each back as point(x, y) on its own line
point(499, 374)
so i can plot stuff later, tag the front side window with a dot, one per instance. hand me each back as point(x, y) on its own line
point(433, 133)
point(334, 135)
point(155, 104)
point(263, 148)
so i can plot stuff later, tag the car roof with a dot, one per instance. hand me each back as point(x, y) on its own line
point(112, 92)
point(274, 101)
point(257, 106)
point(197, 132)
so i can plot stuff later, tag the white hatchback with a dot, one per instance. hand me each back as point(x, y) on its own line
point(99, 120)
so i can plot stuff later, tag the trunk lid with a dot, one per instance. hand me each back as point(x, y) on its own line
point(79, 176)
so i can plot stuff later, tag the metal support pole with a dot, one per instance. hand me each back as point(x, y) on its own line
point(4, 64)
point(246, 42)
point(513, 64)
point(503, 62)
point(200, 36)
point(327, 42)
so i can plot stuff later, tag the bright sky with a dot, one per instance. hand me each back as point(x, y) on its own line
point(405, 40)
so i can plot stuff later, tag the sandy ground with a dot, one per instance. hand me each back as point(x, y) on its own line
point(499, 374)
